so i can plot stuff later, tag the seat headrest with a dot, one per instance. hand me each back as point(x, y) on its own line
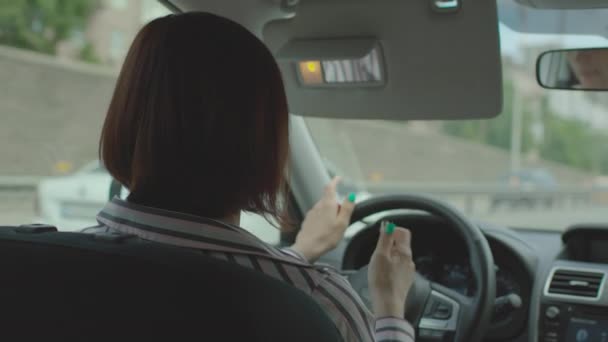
point(74, 286)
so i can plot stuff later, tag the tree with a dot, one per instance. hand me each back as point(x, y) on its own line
point(40, 25)
point(567, 141)
point(87, 54)
point(574, 143)
point(497, 131)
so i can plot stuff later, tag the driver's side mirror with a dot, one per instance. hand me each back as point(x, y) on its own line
point(573, 69)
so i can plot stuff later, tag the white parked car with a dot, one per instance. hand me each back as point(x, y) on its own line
point(71, 202)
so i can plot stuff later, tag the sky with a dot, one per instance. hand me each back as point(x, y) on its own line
point(586, 28)
point(582, 28)
point(511, 41)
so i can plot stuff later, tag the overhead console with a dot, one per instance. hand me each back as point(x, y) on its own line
point(574, 304)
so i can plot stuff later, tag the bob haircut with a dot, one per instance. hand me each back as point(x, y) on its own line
point(198, 122)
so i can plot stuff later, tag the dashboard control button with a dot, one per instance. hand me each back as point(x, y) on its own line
point(438, 334)
point(442, 311)
point(425, 333)
point(431, 335)
point(552, 312)
point(582, 335)
point(430, 308)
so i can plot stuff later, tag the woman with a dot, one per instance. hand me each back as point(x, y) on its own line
point(589, 67)
point(197, 130)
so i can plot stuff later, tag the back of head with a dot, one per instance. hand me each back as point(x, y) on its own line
point(198, 121)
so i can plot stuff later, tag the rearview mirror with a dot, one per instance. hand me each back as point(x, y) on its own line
point(577, 69)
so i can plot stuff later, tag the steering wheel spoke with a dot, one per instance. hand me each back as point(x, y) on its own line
point(442, 311)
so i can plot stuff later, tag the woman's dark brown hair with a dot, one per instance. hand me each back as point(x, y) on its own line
point(198, 122)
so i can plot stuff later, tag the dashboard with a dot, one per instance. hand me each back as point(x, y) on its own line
point(457, 274)
point(560, 280)
point(452, 268)
point(450, 273)
point(573, 298)
point(551, 287)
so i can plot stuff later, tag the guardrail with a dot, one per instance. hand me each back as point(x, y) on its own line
point(493, 196)
point(469, 196)
point(19, 183)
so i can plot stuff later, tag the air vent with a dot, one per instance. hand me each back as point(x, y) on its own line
point(576, 283)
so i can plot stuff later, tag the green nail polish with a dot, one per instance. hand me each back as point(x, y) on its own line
point(352, 197)
point(390, 228)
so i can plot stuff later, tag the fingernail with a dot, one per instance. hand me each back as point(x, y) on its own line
point(352, 197)
point(390, 228)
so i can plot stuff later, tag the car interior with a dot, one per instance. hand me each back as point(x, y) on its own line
point(377, 69)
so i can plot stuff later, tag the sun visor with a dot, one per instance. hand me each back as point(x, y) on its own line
point(390, 59)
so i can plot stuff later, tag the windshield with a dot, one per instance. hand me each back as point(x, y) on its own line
point(542, 163)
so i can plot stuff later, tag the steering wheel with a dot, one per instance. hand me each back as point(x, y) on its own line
point(435, 310)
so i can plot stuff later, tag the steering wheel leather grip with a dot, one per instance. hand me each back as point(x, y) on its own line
point(466, 318)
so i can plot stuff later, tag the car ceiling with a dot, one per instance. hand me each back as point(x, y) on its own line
point(474, 63)
point(253, 14)
point(543, 15)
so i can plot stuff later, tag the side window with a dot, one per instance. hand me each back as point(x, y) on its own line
point(59, 76)
point(118, 45)
point(118, 4)
point(53, 108)
point(260, 227)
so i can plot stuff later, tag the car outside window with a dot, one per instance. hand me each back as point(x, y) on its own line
point(53, 101)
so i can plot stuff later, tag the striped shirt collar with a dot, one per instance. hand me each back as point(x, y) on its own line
point(184, 230)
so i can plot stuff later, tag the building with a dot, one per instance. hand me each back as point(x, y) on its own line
point(111, 29)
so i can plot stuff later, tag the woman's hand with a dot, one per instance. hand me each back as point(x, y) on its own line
point(325, 224)
point(391, 271)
